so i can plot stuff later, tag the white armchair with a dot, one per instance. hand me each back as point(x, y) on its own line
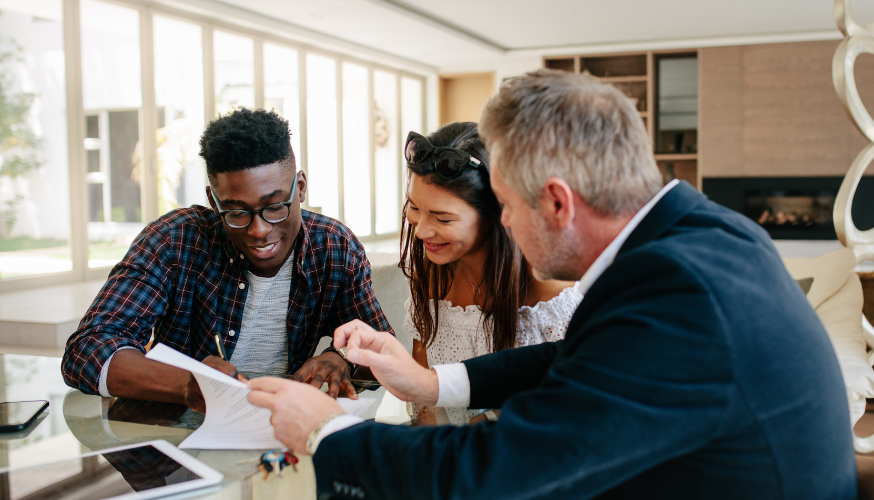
point(836, 295)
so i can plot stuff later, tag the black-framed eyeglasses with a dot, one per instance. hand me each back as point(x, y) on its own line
point(273, 213)
point(449, 163)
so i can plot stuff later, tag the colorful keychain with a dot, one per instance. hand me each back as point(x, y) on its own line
point(273, 460)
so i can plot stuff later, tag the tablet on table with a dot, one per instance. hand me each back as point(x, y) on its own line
point(134, 472)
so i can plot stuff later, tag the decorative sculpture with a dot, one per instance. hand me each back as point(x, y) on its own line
point(858, 39)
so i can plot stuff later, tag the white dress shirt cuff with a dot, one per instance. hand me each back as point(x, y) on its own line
point(104, 372)
point(454, 385)
point(335, 425)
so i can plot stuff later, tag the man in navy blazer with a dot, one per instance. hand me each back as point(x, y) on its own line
point(693, 368)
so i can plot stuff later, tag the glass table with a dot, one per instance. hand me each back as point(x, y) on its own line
point(77, 423)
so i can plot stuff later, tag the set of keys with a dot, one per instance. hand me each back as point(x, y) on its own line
point(272, 461)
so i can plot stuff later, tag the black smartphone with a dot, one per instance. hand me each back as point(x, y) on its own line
point(16, 416)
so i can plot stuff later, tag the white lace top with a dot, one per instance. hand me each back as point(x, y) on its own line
point(461, 334)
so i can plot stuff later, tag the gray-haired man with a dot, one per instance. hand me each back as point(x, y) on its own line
point(693, 368)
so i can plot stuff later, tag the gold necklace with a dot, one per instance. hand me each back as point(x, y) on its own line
point(475, 288)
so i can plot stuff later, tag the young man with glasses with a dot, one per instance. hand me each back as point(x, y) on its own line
point(254, 273)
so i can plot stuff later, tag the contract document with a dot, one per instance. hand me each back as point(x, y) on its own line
point(231, 422)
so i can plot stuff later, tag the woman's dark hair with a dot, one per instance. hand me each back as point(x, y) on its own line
point(245, 139)
point(504, 275)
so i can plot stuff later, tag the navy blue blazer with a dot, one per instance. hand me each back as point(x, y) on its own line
point(693, 368)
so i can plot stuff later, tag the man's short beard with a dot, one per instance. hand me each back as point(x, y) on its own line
point(557, 254)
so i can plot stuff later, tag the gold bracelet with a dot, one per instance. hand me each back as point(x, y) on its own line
point(311, 437)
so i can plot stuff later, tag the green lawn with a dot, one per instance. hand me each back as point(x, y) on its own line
point(96, 250)
point(25, 243)
point(107, 251)
point(26, 262)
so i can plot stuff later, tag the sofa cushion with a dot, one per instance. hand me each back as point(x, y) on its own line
point(836, 295)
point(829, 272)
point(391, 290)
point(841, 316)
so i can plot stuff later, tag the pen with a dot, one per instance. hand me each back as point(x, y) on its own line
point(218, 343)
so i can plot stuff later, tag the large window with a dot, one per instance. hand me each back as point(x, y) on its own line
point(412, 110)
point(388, 152)
point(234, 59)
point(80, 179)
point(180, 113)
point(282, 88)
point(322, 134)
point(356, 149)
point(34, 170)
point(112, 102)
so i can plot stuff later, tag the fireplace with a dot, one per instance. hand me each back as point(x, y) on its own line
point(792, 208)
point(789, 214)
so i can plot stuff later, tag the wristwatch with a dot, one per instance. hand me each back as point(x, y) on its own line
point(342, 353)
point(314, 434)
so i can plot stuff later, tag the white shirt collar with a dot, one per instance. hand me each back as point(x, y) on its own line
point(609, 254)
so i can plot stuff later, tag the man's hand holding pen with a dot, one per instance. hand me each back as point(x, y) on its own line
point(191, 391)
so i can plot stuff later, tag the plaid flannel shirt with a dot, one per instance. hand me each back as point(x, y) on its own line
point(183, 277)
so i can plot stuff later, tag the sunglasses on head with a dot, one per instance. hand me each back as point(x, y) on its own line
point(449, 163)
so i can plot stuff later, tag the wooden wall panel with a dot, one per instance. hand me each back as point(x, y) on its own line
point(462, 97)
point(720, 111)
point(771, 111)
point(793, 121)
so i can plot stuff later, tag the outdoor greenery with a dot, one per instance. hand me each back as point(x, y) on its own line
point(25, 243)
point(108, 250)
point(20, 148)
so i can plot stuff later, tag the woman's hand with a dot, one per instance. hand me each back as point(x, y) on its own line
point(389, 361)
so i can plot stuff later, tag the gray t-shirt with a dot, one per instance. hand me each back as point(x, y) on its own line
point(262, 347)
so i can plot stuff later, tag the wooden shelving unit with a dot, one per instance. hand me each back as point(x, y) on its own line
point(676, 157)
point(634, 73)
point(624, 79)
point(631, 73)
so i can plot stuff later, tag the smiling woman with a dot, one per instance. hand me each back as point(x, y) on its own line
point(471, 291)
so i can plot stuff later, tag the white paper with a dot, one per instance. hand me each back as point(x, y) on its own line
point(231, 422)
point(355, 406)
point(166, 355)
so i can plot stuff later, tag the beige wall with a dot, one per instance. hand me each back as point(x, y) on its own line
point(462, 97)
point(771, 110)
